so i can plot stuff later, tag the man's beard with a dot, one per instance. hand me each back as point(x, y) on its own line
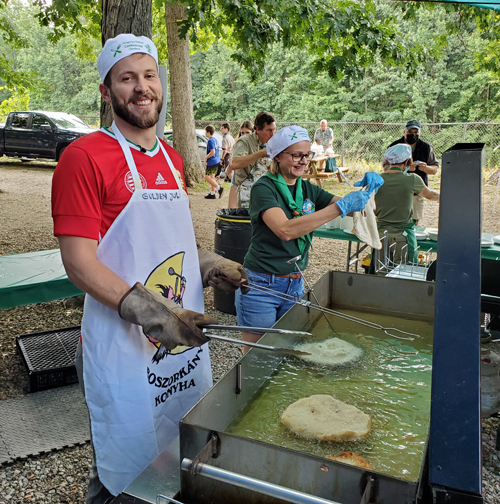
point(139, 121)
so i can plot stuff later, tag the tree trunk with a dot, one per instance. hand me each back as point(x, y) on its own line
point(181, 95)
point(123, 16)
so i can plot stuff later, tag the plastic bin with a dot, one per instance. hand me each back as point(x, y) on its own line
point(49, 357)
point(233, 233)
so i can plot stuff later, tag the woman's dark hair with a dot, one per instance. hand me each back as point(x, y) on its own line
point(263, 118)
point(246, 125)
point(210, 129)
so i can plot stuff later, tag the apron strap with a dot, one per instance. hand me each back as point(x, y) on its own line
point(128, 155)
point(131, 163)
point(180, 185)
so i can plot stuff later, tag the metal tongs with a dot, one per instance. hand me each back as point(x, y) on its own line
point(262, 330)
point(289, 351)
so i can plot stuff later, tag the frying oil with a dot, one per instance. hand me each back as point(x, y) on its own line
point(391, 382)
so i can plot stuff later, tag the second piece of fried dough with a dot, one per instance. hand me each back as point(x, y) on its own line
point(330, 352)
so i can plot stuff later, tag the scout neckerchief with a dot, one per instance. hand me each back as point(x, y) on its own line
point(295, 206)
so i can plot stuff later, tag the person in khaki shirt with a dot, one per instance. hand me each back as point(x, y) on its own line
point(227, 145)
point(246, 128)
point(250, 156)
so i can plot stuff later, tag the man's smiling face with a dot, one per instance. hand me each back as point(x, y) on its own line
point(135, 92)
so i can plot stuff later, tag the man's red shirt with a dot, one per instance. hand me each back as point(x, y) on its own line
point(92, 183)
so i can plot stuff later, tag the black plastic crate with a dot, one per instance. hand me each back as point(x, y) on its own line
point(49, 357)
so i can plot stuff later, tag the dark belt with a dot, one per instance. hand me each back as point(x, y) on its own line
point(294, 276)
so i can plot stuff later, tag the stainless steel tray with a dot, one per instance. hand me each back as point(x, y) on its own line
point(276, 465)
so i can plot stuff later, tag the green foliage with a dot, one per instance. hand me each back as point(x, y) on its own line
point(462, 18)
point(47, 75)
point(69, 16)
point(447, 86)
point(292, 49)
point(15, 101)
point(344, 36)
point(13, 80)
point(160, 34)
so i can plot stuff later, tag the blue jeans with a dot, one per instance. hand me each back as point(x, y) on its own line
point(262, 309)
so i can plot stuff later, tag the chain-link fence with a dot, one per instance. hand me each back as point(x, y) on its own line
point(362, 145)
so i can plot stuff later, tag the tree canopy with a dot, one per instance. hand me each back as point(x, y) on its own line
point(446, 87)
point(302, 60)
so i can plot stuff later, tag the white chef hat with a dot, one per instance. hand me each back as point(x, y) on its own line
point(398, 153)
point(120, 47)
point(285, 137)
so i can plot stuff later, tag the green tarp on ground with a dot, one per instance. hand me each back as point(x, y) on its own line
point(34, 277)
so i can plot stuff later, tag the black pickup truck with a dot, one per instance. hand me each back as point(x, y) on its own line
point(35, 134)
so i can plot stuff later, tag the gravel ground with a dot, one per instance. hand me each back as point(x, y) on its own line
point(61, 477)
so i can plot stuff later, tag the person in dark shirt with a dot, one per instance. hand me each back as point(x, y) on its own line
point(423, 163)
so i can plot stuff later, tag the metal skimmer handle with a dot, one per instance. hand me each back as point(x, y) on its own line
point(159, 497)
point(255, 485)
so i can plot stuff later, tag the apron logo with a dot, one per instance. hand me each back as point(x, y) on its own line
point(167, 280)
point(176, 382)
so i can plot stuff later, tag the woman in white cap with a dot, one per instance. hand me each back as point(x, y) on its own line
point(394, 201)
point(285, 210)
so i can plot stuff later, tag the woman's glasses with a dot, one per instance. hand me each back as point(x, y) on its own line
point(297, 156)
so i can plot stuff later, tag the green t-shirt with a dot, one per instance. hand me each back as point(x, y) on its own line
point(267, 252)
point(394, 200)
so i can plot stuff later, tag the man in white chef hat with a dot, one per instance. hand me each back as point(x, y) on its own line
point(121, 214)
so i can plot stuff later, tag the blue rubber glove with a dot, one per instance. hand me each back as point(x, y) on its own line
point(372, 180)
point(354, 201)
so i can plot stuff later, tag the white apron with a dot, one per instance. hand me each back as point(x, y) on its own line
point(136, 391)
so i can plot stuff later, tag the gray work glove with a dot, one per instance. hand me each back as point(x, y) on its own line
point(213, 266)
point(162, 319)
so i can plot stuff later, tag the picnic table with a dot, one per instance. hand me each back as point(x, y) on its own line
point(34, 277)
point(316, 170)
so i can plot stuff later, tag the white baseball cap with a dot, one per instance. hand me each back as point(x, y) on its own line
point(121, 46)
point(285, 137)
point(398, 153)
